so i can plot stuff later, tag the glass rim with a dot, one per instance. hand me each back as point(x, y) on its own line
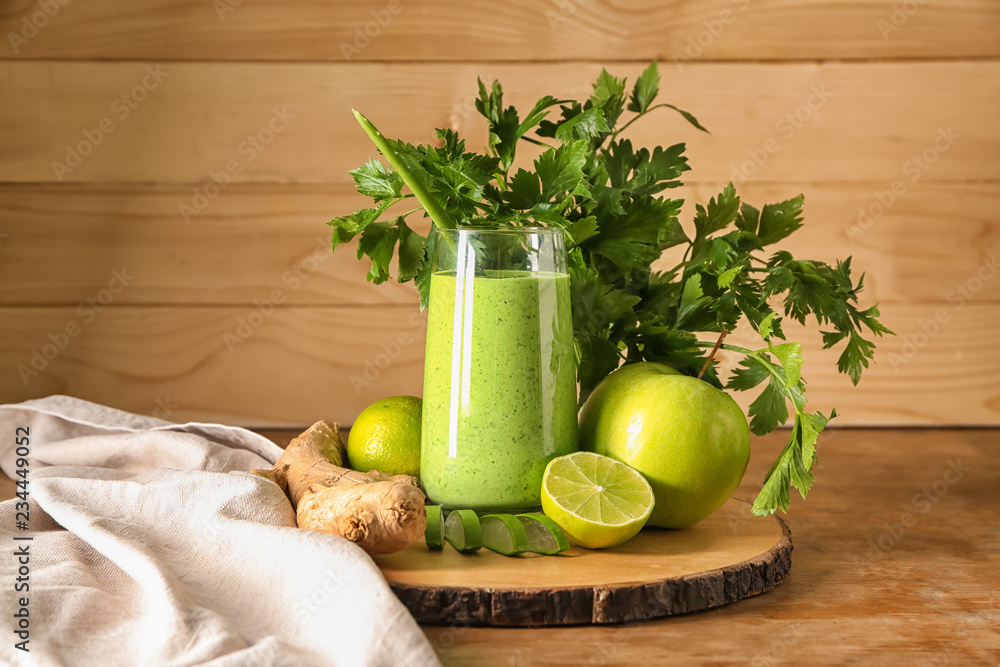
point(503, 230)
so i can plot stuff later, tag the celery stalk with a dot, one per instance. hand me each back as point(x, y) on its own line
point(426, 199)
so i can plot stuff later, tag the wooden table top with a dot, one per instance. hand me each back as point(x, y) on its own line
point(864, 588)
point(896, 561)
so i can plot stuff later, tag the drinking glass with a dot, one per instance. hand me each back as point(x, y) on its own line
point(500, 370)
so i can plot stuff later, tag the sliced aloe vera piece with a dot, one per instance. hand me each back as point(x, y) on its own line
point(544, 535)
point(504, 534)
point(433, 534)
point(462, 531)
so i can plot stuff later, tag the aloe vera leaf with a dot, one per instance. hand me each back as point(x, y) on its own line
point(462, 531)
point(504, 534)
point(433, 534)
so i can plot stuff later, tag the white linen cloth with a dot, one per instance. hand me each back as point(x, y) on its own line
point(152, 546)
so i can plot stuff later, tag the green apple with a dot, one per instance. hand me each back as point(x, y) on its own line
point(690, 440)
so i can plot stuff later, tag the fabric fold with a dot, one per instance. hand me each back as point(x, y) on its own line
point(151, 545)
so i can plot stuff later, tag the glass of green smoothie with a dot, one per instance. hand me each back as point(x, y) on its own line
point(500, 370)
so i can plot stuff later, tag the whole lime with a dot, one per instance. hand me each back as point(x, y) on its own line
point(690, 440)
point(386, 437)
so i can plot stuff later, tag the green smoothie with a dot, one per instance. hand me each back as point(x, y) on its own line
point(499, 387)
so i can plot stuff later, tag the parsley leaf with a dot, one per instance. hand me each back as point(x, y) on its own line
point(585, 125)
point(793, 465)
point(721, 211)
point(748, 374)
point(692, 300)
point(561, 169)
point(606, 194)
point(769, 410)
point(411, 252)
point(790, 355)
point(779, 220)
point(647, 86)
point(609, 96)
point(378, 241)
point(633, 240)
point(347, 227)
point(377, 182)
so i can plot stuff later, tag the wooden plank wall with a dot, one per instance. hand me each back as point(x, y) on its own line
point(153, 290)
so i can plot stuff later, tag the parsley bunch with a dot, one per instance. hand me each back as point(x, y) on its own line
point(609, 198)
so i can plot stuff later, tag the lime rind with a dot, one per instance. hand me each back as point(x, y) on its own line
point(504, 534)
point(433, 533)
point(597, 501)
point(462, 531)
point(544, 535)
point(580, 483)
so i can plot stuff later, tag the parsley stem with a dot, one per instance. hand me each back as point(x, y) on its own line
point(730, 347)
point(386, 204)
point(684, 259)
point(766, 363)
point(688, 117)
point(532, 140)
point(621, 129)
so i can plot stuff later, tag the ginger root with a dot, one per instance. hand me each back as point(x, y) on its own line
point(380, 513)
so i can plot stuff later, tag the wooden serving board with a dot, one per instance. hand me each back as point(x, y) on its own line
point(727, 557)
